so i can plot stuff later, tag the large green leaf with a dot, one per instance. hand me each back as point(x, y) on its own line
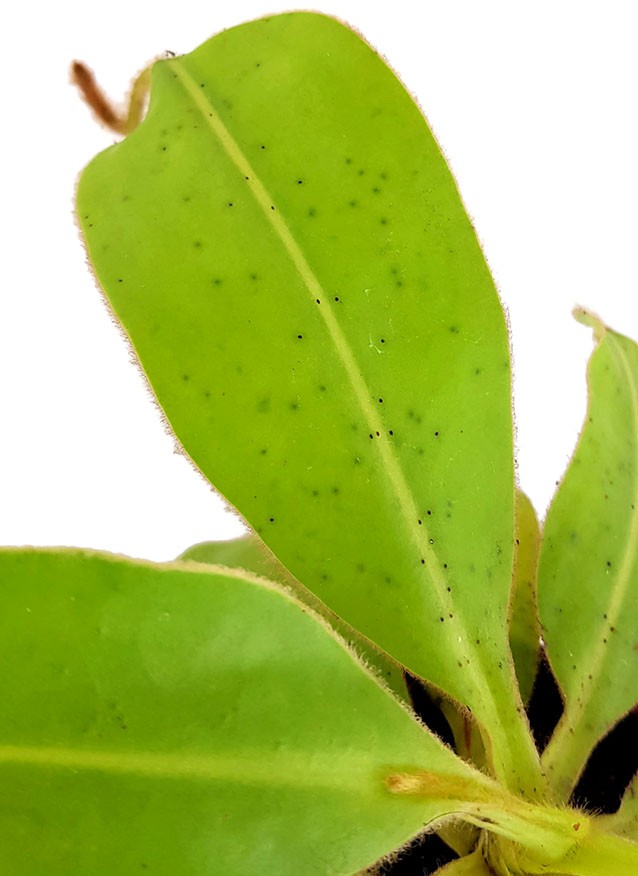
point(588, 567)
point(249, 552)
point(182, 721)
point(286, 248)
point(468, 865)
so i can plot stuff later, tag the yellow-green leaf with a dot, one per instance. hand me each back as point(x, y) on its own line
point(249, 552)
point(180, 720)
point(588, 567)
point(524, 624)
point(284, 244)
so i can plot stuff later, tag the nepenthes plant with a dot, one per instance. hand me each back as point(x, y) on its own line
point(285, 248)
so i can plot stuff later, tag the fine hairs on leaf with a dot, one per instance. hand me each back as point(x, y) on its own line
point(355, 686)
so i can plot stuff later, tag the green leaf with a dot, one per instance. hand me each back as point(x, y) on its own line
point(249, 552)
point(625, 821)
point(286, 248)
point(177, 720)
point(588, 568)
point(468, 865)
point(246, 552)
point(525, 630)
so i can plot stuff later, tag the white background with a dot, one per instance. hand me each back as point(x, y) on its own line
point(535, 106)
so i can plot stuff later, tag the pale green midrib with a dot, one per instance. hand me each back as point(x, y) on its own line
point(572, 725)
point(458, 637)
point(290, 769)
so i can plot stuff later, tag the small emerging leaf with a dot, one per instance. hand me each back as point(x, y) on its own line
point(285, 246)
point(588, 567)
point(249, 552)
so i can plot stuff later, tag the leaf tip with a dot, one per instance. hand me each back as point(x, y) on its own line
point(586, 317)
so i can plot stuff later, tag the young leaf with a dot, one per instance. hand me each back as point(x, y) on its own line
point(286, 248)
point(182, 721)
point(249, 552)
point(524, 626)
point(625, 821)
point(588, 568)
point(246, 552)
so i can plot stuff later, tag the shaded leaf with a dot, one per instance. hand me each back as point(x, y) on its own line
point(588, 568)
point(308, 299)
point(249, 552)
point(178, 720)
point(524, 625)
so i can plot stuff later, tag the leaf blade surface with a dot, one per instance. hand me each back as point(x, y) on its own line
point(153, 718)
point(588, 567)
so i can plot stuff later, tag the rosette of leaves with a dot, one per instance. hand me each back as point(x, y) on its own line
point(284, 246)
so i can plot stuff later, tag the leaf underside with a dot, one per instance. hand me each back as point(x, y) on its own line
point(295, 270)
point(588, 567)
point(178, 720)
